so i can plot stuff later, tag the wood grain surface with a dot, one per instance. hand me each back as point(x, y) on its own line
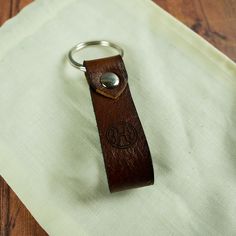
point(215, 20)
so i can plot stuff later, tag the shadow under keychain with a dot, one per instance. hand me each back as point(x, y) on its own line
point(125, 149)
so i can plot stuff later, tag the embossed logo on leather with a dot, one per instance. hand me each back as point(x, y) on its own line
point(122, 135)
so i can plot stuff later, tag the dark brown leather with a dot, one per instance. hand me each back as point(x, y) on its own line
point(125, 149)
point(99, 67)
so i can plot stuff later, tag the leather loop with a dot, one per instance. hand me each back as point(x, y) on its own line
point(125, 149)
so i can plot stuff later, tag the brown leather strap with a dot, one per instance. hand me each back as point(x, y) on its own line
point(125, 150)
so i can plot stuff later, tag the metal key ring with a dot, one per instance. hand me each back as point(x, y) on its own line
point(83, 45)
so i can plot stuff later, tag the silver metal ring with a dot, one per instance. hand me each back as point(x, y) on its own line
point(83, 45)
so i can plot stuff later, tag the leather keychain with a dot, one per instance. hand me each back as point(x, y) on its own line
point(125, 149)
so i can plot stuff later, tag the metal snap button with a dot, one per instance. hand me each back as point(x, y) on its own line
point(109, 80)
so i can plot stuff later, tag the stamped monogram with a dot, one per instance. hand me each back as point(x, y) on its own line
point(122, 135)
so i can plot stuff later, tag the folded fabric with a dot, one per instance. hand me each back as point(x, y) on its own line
point(185, 94)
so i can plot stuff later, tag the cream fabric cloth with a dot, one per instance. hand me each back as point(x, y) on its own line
point(185, 94)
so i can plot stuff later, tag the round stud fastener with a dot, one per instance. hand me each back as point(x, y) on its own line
point(109, 80)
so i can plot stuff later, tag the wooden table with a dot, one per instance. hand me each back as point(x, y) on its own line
point(214, 20)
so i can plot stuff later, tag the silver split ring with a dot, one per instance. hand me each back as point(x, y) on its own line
point(83, 45)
